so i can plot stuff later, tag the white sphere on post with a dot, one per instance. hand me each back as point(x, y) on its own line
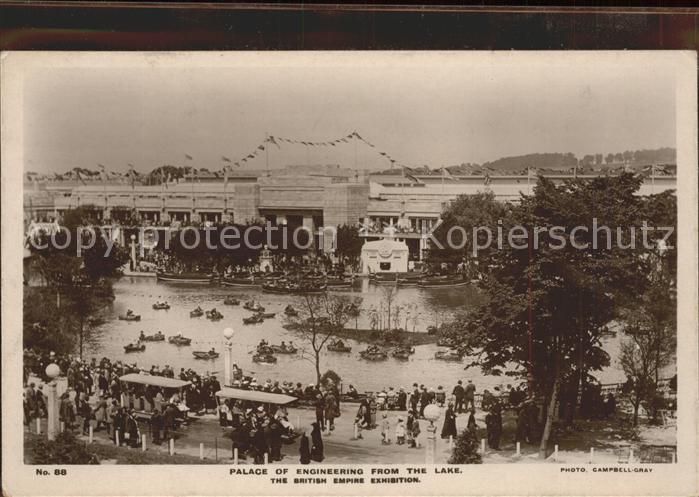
point(52, 371)
point(228, 359)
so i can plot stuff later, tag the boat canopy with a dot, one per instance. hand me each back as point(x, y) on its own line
point(158, 381)
point(255, 396)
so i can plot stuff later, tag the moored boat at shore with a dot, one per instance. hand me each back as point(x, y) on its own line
point(338, 346)
point(373, 353)
point(283, 349)
point(442, 281)
point(161, 306)
point(214, 315)
point(184, 277)
point(254, 319)
point(264, 359)
point(240, 281)
point(157, 337)
point(294, 288)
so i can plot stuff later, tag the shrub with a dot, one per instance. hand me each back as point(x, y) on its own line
point(465, 449)
point(330, 375)
point(66, 449)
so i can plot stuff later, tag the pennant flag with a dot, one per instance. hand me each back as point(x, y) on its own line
point(188, 157)
point(250, 156)
point(382, 153)
point(261, 147)
point(244, 160)
point(237, 164)
point(272, 140)
point(332, 143)
point(77, 173)
point(225, 159)
point(343, 140)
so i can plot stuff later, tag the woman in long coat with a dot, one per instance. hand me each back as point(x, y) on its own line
point(304, 450)
point(316, 443)
point(449, 426)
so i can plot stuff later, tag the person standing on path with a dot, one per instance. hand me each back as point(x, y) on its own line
point(470, 395)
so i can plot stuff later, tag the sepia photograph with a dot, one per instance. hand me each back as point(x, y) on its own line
point(333, 260)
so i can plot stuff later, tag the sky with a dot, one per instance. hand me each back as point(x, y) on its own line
point(445, 112)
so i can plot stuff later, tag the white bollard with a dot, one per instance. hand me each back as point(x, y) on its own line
point(143, 442)
point(592, 454)
point(451, 442)
point(518, 450)
point(63, 426)
point(555, 452)
point(172, 446)
point(235, 456)
point(91, 434)
point(630, 456)
point(356, 431)
point(266, 458)
point(674, 457)
point(201, 450)
point(116, 437)
point(482, 445)
point(38, 426)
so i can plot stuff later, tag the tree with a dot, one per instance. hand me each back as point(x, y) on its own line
point(642, 354)
point(467, 213)
point(349, 244)
point(317, 322)
point(466, 449)
point(547, 307)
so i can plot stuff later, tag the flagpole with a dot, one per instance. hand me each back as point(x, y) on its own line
point(354, 136)
point(652, 179)
point(267, 152)
point(529, 178)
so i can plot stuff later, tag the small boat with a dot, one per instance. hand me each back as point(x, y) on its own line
point(158, 337)
point(200, 354)
point(445, 342)
point(339, 283)
point(130, 317)
point(254, 319)
point(251, 305)
point(184, 277)
point(290, 311)
point(239, 281)
point(373, 354)
point(179, 340)
point(264, 358)
point(96, 321)
point(403, 353)
point(266, 315)
point(283, 349)
point(384, 278)
point(134, 347)
point(447, 355)
point(196, 313)
point(161, 306)
point(214, 315)
point(231, 301)
point(338, 346)
point(442, 281)
point(409, 279)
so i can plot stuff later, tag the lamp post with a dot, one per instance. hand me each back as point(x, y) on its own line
point(432, 413)
point(133, 252)
point(52, 371)
point(228, 357)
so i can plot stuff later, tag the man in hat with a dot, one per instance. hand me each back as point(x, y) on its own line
point(402, 399)
point(459, 395)
point(470, 395)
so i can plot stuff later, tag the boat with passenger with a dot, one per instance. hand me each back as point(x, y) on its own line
point(240, 281)
point(264, 359)
point(157, 337)
point(447, 355)
point(290, 311)
point(254, 319)
point(251, 305)
point(337, 345)
point(130, 316)
point(403, 352)
point(196, 313)
point(161, 306)
point(284, 348)
point(134, 347)
point(373, 353)
point(214, 315)
point(179, 340)
point(184, 277)
point(231, 301)
point(210, 354)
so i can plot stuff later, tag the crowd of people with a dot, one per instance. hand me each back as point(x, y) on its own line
point(95, 396)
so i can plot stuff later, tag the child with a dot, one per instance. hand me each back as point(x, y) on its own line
point(385, 427)
point(400, 432)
